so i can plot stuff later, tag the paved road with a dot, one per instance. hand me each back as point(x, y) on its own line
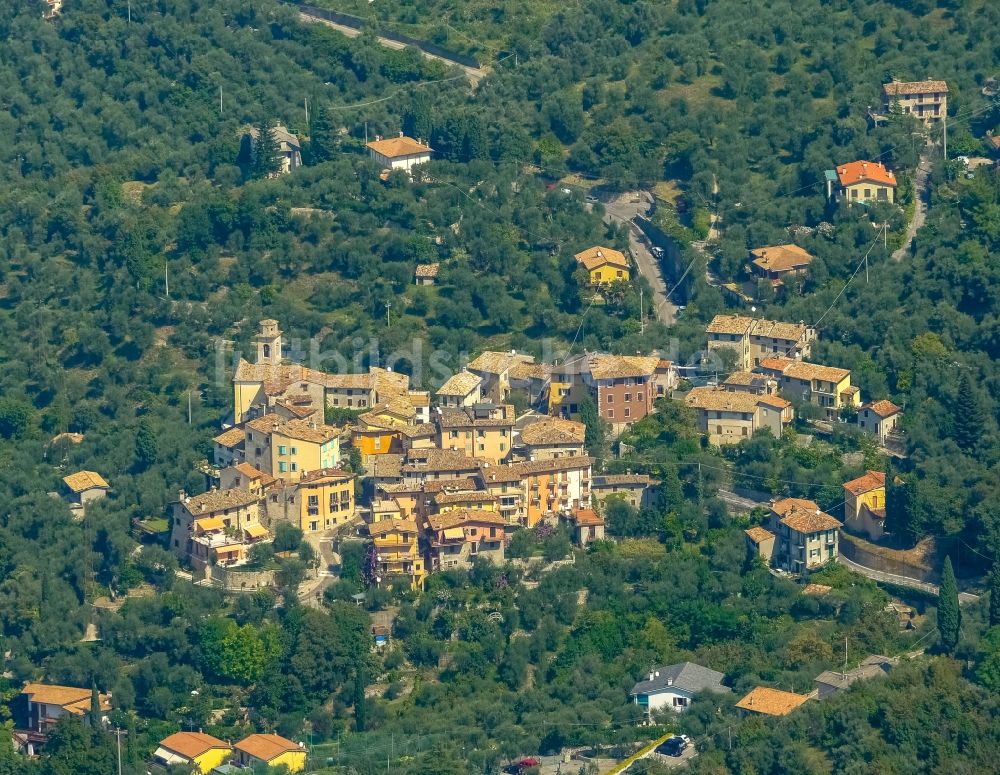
point(474, 74)
point(737, 501)
point(902, 581)
point(622, 210)
point(920, 214)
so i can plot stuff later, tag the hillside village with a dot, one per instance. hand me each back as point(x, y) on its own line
point(402, 508)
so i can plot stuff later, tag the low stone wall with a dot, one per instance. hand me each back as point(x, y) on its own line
point(886, 560)
point(239, 580)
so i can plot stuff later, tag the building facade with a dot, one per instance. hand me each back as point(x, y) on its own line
point(753, 339)
point(925, 100)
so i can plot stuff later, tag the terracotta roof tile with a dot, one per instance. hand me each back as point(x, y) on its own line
point(598, 256)
point(394, 147)
point(253, 473)
point(460, 384)
point(553, 430)
point(493, 362)
point(781, 258)
point(604, 366)
point(758, 534)
point(384, 526)
point(427, 270)
point(883, 408)
point(465, 417)
point(191, 744)
point(75, 700)
point(786, 505)
point(82, 481)
point(266, 747)
point(326, 475)
point(873, 480)
point(771, 702)
point(230, 438)
point(901, 88)
point(587, 517)
point(459, 517)
point(803, 521)
point(219, 500)
point(790, 367)
point(475, 496)
point(720, 400)
point(865, 171)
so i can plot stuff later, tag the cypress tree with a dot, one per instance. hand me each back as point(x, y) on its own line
point(360, 701)
point(995, 595)
point(949, 614)
point(323, 135)
point(95, 707)
point(969, 416)
point(264, 159)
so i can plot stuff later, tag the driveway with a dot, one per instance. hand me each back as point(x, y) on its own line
point(622, 210)
point(674, 762)
point(920, 214)
point(311, 590)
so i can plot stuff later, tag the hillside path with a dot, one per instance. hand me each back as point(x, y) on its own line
point(920, 214)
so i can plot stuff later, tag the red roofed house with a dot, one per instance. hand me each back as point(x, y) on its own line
point(861, 182)
point(587, 526)
point(399, 153)
point(880, 418)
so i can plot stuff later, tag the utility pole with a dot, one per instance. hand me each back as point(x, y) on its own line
point(166, 277)
point(118, 742)
point(220, 99)
point(387, 305)
point(129, 21)
point(366, 133)
point(189, 407)
point(642, 319)
point(944, 120)
point(306, 101)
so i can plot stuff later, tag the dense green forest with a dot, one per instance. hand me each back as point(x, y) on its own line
point(119, 169)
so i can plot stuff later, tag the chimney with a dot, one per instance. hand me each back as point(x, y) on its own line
point(650, 676)
point(670, 682)
point(181, 495)
point(401, 133)
point(657, 673)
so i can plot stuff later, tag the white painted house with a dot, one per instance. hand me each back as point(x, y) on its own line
point(674, 686)
point(399, 153)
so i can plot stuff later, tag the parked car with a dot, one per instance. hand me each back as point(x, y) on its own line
point(524, 764)
point(674, 746)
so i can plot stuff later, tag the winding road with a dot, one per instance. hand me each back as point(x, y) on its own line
point(622, 210)
point(474, 74)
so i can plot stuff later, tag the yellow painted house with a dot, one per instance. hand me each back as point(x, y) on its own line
point(396, 542)
point(826, 386)
point(864, 504)
point(324, 499)
point(270, 750)
point(197, 749)
point(604, 265)
point(476, 500)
